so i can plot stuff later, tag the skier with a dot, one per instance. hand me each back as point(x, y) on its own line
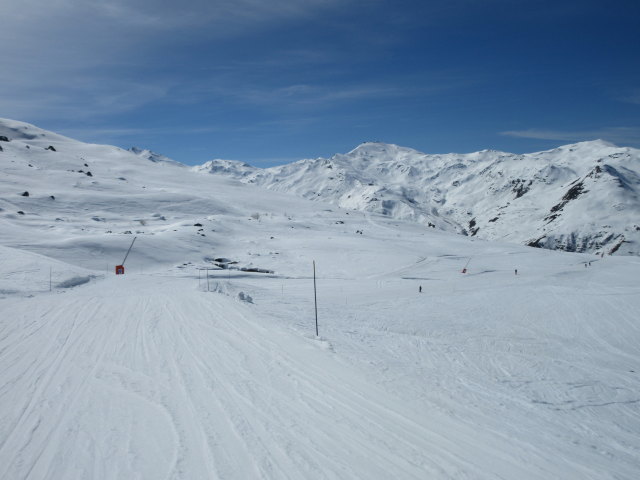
point(420, 289)
point(516, 271)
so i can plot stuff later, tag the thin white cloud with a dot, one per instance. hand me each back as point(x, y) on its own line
point(220, 16)
point(108, 134)
point(634, 98)
point(78, 58)
point(314, 95)
point(234, 87)
point(621, 93)
point(124, 133)
point(82, 97)
point(617, 135)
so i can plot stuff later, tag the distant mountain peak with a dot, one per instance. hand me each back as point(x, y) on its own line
point(556, 197)
point(233, 168)
point(152, 156)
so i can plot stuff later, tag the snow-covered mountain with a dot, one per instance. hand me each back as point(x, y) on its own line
point(152, 156)
point(582, 197)
point(202, 361)
point(81, 199)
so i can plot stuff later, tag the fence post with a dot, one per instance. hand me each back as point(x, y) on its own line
point(315, 296)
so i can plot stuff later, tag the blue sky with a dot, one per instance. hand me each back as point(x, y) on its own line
point(277, 81)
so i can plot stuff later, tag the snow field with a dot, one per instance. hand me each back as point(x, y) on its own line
point(483, 375)
point(150, 376)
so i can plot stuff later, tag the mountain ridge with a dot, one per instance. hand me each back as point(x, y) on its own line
point(580, 197)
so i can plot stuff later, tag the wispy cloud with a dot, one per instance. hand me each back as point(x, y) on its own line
point(82, 97)
point(77, 58)
point(239, 87)
point(617, 135)
point(219, 16)
point(633, 98)
point(133, 132)
point(125, 134)
point(620, 91)
point(313, 95)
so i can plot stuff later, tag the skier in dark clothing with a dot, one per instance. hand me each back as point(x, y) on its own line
point(420, 289)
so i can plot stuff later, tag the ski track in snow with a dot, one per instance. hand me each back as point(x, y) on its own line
point(210, 380)
point(193, 385)
point(178, 362)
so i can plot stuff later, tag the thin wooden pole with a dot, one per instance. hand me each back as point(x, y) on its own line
point(315, 296)
point(130, 247)
point(464, 270)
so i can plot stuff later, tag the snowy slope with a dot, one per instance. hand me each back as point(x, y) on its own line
point(87, 201)
point(582, 197)
point(190, 367)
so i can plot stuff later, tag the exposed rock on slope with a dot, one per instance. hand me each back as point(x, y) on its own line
point(581, 197)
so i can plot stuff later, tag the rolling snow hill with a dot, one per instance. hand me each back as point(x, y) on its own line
point(202, 360)
point(579, 198)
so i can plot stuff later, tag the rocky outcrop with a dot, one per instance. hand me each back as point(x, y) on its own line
point(579, 197)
